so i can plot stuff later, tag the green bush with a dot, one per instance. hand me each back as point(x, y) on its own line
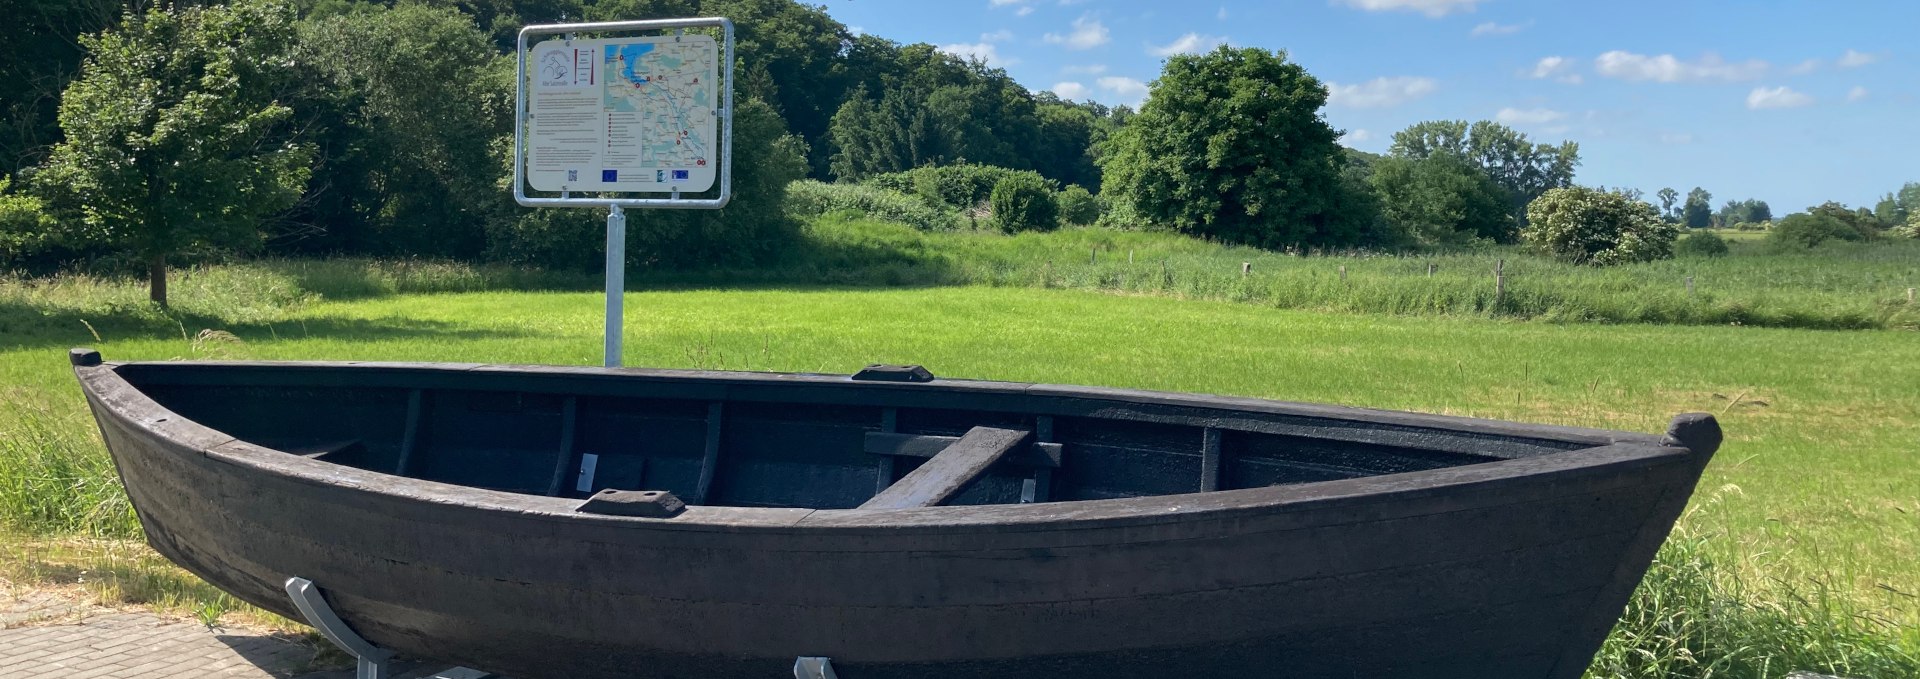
point(808, 198)
point(1024, 202)
point(1701, 244)
point(1803, 230)
point(961, 186)
point(24, 224)
point(1078, 206)
point(1591, 226)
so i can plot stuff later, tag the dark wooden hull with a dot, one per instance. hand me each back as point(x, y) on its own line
point(1511, 568)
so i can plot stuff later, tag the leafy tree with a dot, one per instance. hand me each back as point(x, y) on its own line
point(1441, 199)
point(1078, 206)
point(1590, 226)
point(1513, 161)
point(1024, 202)
point(1231, 145)
point(38, 57)
point(1697, 213)
point(175, 137)
point(24, 223)
point(933, 108)
point(1668, 199)
point(404, 132)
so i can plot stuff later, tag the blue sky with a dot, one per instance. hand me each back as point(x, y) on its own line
point(1793, 103)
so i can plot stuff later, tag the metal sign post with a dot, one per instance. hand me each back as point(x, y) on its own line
point(597, 120)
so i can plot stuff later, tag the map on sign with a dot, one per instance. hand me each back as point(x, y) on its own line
point(623, 114)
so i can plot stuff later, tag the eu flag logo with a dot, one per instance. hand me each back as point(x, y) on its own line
point(679, 175)
point(609, 175)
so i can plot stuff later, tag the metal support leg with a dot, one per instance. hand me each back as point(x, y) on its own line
point(616, 281)
point(373, 661)
point(813, 667)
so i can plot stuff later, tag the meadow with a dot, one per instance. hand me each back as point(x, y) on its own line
point(1796, 555)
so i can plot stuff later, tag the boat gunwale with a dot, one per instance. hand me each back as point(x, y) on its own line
point(1604, 451)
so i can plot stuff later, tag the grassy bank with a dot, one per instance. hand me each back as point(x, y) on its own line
point(1820, 508)
point(1846, 286)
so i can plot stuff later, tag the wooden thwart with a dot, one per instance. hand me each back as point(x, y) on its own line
point(949, 472)
point(927, 445)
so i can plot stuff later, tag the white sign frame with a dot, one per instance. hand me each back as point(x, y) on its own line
point(723, 115)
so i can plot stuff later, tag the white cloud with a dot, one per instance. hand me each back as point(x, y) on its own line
point(1557, 68)
point(1776, 97)
point(1431, 8)
point(1191, 43)
point(1355, 137)
point(1023, 11)
point(1530, 116)
point(1491, 28)
point(1858, 93)
point(1088, 33)
point(1090, 69)
point(1072, 91)
point(1667, 68)
point(1004, 3)
point(1380, 92)
point(979, 51)
point(1001, 35)
point(1805, 67)
point(1854, 59)
point(1132, 90)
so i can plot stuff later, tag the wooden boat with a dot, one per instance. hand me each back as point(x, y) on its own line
point(592, 522)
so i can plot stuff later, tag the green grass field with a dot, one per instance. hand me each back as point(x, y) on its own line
point(1814, 499)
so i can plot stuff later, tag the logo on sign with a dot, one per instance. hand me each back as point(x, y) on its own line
point(609, 175)
point(573, 175)
point(679, 175)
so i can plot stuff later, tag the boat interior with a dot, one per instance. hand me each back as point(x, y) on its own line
point(823, 442)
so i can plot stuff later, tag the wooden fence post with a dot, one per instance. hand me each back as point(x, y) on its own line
point(1429, 269)
point(1499, 291)
point(1909, 296)
point(1093, 255)
point(1245, 269)
point(1343, 273)
point(1689, 287)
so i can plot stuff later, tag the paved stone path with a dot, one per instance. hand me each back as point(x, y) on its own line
point(44, 636)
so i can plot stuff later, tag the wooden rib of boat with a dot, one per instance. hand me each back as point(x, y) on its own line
point(592, 522)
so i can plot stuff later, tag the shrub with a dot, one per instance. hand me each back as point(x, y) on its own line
point(1805, 230)
point(1590, 226)
point(1701, 244)
point(960, 186)
point(1078, 206)
point(24, 224)
point(1024, 202)
point(808, 198)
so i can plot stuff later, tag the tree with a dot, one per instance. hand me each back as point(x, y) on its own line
point(404, 132)
point(1231, 145)
point(1442, 199)
point(1668, 199)
point(1514, 162)
point(175, 137)
point(1697, 213)
point(1078, 206)
point(1590, 226)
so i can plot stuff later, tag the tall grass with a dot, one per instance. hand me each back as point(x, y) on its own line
point(58, 479)
point(1849, 286)
point(1693, 618)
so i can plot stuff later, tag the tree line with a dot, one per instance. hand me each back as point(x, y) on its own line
point(145, 135)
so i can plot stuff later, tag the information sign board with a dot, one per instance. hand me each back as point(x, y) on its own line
point(633, 114)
